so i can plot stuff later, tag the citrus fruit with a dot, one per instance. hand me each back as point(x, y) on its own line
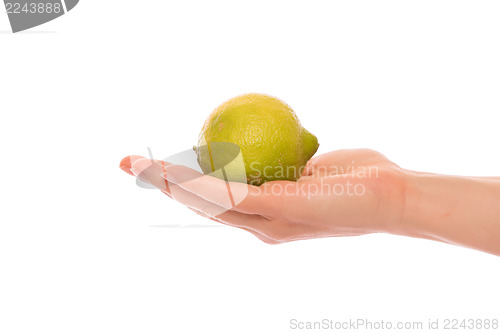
point(263, 133)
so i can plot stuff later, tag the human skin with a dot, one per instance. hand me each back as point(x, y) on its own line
point(341, 193)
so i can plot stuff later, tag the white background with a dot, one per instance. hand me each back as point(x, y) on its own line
point(82, 248)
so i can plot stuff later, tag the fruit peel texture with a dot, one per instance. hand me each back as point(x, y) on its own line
point(262, 130)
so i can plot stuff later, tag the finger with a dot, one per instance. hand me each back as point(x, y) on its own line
point(200, 213)
point(126, 163)
point(150, 171)
point(225, 221)
point(230, 195)
point(254, 222)
point(251, 223)
point(193, 201)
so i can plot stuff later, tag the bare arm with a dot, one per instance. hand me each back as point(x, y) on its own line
point(457, 210)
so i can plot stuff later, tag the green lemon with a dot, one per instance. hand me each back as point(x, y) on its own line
point(261, 132)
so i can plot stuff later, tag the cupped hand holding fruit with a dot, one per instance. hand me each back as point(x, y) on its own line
point(338, 193)
point(259, 176)
point(333, 197)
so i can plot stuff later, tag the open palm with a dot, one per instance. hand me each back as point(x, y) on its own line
point(341, 193)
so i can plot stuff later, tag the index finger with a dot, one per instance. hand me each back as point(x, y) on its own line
point(240, 197)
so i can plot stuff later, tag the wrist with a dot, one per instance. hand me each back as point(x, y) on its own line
point(423, 204)
point(446, 208)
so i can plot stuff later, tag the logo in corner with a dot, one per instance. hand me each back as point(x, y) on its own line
point(26, 14)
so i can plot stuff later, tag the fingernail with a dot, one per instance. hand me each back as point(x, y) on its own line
point(126, 169)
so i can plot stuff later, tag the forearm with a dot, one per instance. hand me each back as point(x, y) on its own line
point(457, 210)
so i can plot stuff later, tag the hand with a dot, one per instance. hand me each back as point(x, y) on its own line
point(341, 193)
